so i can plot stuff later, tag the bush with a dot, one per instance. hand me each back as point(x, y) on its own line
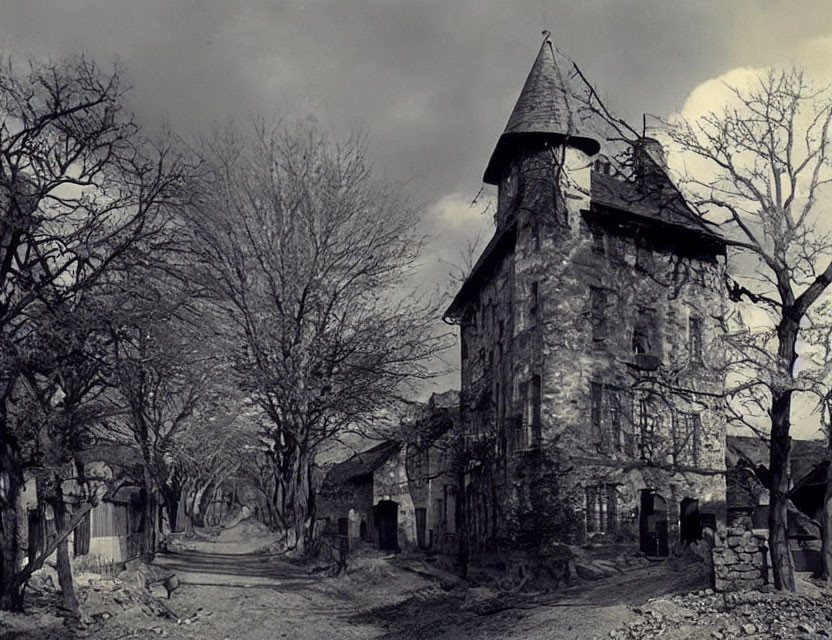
point(547, 517)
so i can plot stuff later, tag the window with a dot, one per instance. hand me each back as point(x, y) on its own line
point(610, 415)
point(641, 340)
point(597, 241)
point(528, 436)
point(644, 255)
point(601, 508)
point(646, 332)
point(695, 339)
point(614, 246)
point(534, 303)
point(531, 413)
point(535, 233)
point(598, 312)
point(596, 409)
point(687, 435)
point(648, 425)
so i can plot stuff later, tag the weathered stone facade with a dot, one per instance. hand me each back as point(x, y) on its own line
point(739, 560)
point(400, 494)
point(590, 343)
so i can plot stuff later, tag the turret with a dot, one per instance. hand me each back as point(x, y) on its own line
point(543, 124)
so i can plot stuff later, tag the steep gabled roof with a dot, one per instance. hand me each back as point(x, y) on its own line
point(364, 463)
point(751, 449)
point(806, 456)
point(656, 204)
point(547, 108)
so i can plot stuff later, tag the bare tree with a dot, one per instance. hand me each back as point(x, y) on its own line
point(79, 187)
point(307, 253)
point(762, 164)
point(215, 449)
point(161, 373)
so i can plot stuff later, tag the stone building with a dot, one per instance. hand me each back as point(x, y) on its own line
point(400, 493)
point(590, 326)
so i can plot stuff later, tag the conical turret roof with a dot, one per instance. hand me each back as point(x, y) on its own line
point(546, 108)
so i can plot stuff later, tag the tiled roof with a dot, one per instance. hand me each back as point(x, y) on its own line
point(652, 202)
point(749, 448)
point(363, 463)
point(547, 106)
point(805, 455)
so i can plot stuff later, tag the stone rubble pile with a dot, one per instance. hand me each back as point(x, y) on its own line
point(739, 560)
point(103, 599)
point(761, 614)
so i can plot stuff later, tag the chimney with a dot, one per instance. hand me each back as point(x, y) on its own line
point(649, 160)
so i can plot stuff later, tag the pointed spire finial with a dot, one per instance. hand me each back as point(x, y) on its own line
point(547, 35)
point(544, 111)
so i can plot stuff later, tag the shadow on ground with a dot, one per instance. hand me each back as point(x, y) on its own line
point(235, 570)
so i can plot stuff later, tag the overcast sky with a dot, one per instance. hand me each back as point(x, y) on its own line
point(431, 81)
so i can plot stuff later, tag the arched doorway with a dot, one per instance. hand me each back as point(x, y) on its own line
point(653, 523)
point(690, 523)
point(387, 525)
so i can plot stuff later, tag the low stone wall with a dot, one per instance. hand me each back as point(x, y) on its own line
point(739, 560)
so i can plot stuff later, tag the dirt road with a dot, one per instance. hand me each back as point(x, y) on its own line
point(231, 589)
point(257, 596)
point(250, 595)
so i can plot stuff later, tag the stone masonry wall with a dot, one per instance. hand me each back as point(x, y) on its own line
point(739, 559)
point(532, 322)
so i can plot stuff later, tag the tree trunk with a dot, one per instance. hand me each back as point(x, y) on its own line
point(781, 557)
point(148, 519)
point(15, 586)
point(171, 494)
point(300, 502)
point(70, 601)
point(11, 593)
point(172, 507)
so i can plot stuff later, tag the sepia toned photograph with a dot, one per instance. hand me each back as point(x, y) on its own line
point(415, 319)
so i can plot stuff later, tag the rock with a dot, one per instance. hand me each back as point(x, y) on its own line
point(749, 629)
point(589, 571)
point(805, 628)
point(607, 568)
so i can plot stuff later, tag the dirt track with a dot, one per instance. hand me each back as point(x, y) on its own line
point(230, 590)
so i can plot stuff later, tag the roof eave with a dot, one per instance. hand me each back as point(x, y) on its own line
point(508, 142)
point(499, 242)
point(708, 234)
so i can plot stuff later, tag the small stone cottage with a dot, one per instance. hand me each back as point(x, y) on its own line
point(399, 493)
